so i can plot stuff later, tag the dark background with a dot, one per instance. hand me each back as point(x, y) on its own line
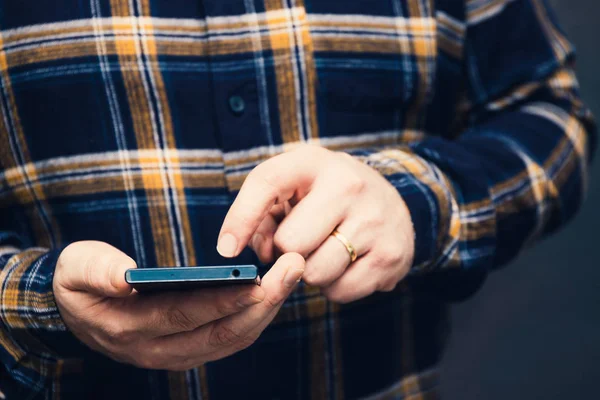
point(533, 331)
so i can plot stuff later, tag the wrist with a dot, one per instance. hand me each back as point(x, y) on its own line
point(418, 201)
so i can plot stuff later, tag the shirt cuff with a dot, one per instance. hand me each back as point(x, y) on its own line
point(28, 309)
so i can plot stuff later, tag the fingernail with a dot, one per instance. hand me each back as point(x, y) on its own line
point(292, 276)
point(257, 241)
point(227, 245)
point(247, 300)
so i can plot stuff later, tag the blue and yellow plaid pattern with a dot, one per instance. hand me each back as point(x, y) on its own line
point(116, 125)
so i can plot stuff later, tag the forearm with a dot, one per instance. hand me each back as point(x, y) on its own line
point(477, 200)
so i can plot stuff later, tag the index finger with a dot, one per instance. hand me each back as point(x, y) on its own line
point(272, 182)
point(278, 284)
point(225, 336)
point(167, 313)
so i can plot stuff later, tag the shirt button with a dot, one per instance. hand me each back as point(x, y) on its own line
point(237, 105)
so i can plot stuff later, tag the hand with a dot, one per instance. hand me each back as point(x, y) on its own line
point(293, 202)
point(171, 330)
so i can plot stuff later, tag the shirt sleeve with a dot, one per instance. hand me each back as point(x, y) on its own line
point(34, 341)
point(518, 169)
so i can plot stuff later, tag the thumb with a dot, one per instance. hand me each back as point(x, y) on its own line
point(94, 267)
point(282, 278)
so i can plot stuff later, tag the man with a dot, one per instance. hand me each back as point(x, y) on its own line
point(386, 153)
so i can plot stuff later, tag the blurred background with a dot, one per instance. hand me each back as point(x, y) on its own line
point(533, 331)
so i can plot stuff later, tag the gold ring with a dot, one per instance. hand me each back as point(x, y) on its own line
point(351, 250)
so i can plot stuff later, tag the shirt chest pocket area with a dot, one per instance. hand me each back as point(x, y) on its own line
point(56, 93)
point(374, 72)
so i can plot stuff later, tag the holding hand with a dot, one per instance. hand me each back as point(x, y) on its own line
point(171, 330)
point(326, 206)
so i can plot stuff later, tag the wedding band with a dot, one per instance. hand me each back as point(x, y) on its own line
point(346, 243)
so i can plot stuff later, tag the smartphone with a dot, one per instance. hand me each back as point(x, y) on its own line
point(161, 279)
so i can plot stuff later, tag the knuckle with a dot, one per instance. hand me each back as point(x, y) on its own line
point(98, 269)
point(252, 243)
point(387, 286)
point(386, 256)
point(156, 351)
point(224, 336)
point(307, 149)
point(284, 242)
point(377, 260)
point(354, 184)
point(312, 278)
point(179, 319)
point(149, 359)
point(67, 254)
point(118, 333)
point(255, 173)
point(158, 358)
point(274, 300)
point(152, 356)
point(269, 179)
point(374, 220)
point(335, 296)
point(146, 362)
point(246, 342)
point(92, 277)
point(344, 156)
point(70, 248)
point(118, 356)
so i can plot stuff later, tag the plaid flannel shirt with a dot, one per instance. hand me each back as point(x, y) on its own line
point(134, 122)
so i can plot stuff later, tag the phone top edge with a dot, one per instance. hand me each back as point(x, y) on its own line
point(186, 274)
point(194, 267)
